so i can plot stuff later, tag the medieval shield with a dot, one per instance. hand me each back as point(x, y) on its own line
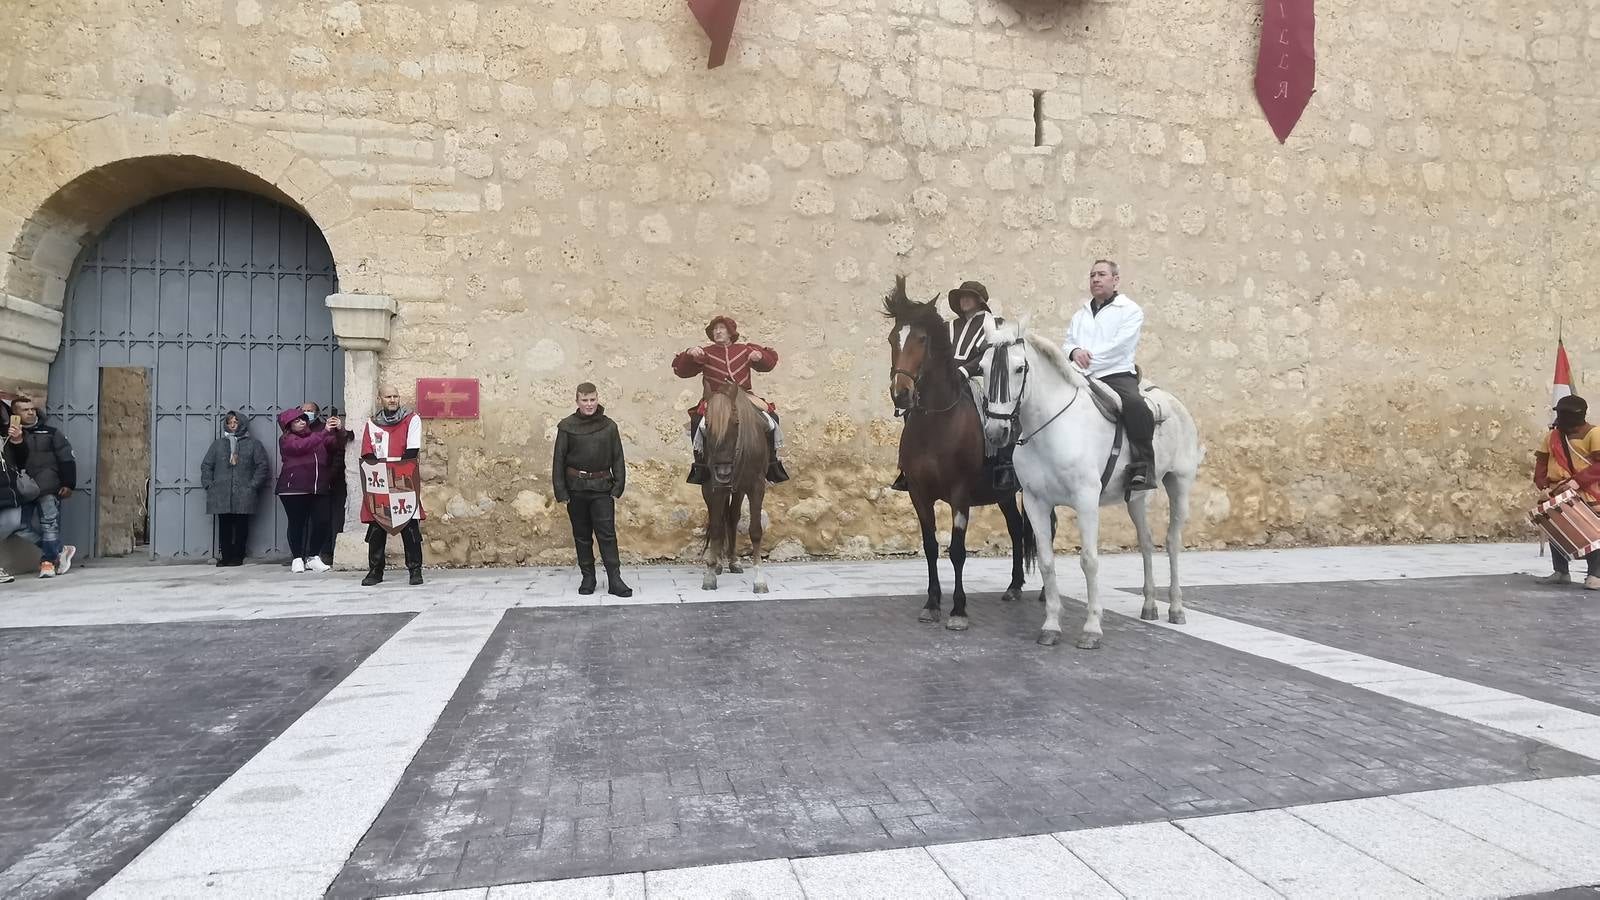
point(389, 489)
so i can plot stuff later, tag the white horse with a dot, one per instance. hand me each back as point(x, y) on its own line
point(1042, 401)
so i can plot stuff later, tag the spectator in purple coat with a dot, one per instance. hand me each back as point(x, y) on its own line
point(305, 480)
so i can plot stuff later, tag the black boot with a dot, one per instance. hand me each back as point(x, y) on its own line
point(613, 562)
point(586, 586)
point(1005, 474)
point(900, 483)
point(375, 561)
point(411, 538)
point(1139, 476)
point(699, 473)
point(776, 474)
point(615, 586)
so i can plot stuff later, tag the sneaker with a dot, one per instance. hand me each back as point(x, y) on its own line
point(6, 577)
point(315, 564)
point(298, 566)
point(65, 563)
point(1592, 583)
point(1555, 578)
point(47, 570)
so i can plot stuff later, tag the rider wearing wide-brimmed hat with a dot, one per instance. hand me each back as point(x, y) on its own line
point(723, 360)
point(970, 303)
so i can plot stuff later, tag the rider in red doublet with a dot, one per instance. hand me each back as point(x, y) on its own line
point(726, 359)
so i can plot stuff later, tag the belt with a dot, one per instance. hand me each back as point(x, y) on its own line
point(580, 473)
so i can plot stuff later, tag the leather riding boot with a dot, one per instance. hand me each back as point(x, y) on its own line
point(375, 550)
point(900, 483)
point(776, 474)
point(699, 472)
point(1139, 474)
point(411, 538)
point(613, 562)
point(586, 566)
point(1005, 474)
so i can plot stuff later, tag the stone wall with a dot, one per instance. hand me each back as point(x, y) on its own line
point(1361, 319)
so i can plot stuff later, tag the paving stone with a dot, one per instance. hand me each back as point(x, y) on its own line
point(1439, 855)
point(1149, 860)
point(113, 732)
point(886, 874)
point(1296, 859)
point(1024, 868)
point(1501, 631)
point(599, 741)
point(1505, 820)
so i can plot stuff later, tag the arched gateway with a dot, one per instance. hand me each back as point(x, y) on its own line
point(183, 307)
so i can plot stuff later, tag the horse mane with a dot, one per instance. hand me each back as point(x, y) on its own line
point(1044, 351)
point(897, 305)
point(733, 418)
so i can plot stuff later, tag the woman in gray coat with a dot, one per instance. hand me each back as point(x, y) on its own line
point(233, 473)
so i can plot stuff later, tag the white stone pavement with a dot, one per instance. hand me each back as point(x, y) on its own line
point(283, 825)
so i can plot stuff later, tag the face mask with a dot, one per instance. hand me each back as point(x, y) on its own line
point(311, 417)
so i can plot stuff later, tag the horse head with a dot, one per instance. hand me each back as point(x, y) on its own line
point(1005, 377)
point(722, 431)
point(918, 333)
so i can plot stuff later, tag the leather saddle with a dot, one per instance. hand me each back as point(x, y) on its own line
point(1109, 402)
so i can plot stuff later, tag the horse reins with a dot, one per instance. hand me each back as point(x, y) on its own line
point(916, 393)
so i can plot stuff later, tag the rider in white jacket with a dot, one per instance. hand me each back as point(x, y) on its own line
point(1102, 339)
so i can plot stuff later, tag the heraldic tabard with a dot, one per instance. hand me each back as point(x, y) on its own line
point(391, 484)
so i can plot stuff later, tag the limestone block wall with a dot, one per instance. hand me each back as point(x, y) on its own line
point(1361, 319)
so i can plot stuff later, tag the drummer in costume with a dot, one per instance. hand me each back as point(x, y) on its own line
point(391, 484)
point(726, 359)
point(1569, 457)
point(970, 303)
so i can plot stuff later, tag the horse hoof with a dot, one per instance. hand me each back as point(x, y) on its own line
point(1149, 613)
point(928, 616)
point(760, 588)
point(1176, 618)
point(1049, 637)
point(1010, 595)
point(710, 584)
point(719, 568)
point(956, 623)
point(1041, 595)
point(1088, 642)
point(735, 568)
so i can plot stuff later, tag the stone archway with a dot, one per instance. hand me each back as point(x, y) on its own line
point(57, 196)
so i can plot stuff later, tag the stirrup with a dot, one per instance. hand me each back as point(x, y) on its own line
point(1140, 478)
point(699, 473)
point(776, 474)
point(900, 483)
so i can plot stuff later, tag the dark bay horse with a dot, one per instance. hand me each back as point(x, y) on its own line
point(941, 447)
point(736, 454)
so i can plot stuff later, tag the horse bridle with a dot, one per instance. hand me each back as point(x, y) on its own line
point(916, 391)
point(999, 390)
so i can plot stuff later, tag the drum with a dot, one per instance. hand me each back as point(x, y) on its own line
point(1569, 523)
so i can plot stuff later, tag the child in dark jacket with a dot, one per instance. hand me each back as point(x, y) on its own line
point(305, 478)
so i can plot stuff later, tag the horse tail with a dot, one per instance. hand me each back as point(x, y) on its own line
point(1030, 541)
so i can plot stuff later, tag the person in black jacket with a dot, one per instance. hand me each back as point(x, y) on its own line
point(588, 474)
point(53, 466)
point(13, 460)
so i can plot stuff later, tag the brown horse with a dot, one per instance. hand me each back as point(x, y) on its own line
point(941, 446)
point(736, 454)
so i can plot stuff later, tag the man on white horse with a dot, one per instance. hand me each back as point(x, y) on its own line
point(1102, 339)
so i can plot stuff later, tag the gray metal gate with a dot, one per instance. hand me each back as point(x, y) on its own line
point(219, 294)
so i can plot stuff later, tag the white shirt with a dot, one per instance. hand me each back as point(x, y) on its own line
point(1111, 336)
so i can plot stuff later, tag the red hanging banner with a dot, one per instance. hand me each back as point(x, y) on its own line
point(716, 18)
point(1286, 68)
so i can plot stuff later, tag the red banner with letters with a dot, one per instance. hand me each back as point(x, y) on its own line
point(1286, 68)
point(447, 398)
point(716, 18)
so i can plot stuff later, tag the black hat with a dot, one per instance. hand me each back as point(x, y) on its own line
point(976, 289)
point(1573, 405)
